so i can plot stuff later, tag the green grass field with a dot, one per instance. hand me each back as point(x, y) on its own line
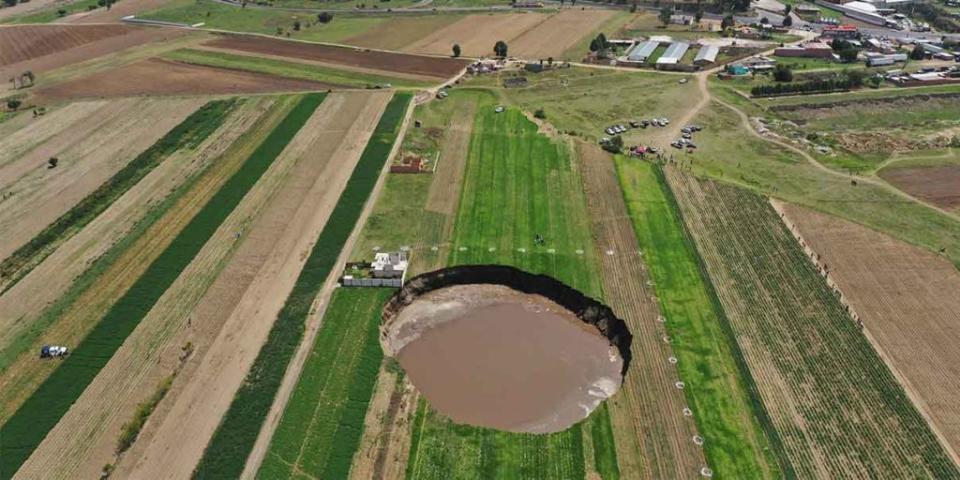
point(24, 431)
point(322, 424)
point(227, 451)
point(735, 444)
point(498, 226)
point(51, 13)
point(289, 69)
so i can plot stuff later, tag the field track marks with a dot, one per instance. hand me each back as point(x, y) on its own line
point(79, 316)
point(556, 35)
point(901, 293)
point(476, 34)
point(25, 42)
point(264, 273)
point(41, 196)
point(653, 437)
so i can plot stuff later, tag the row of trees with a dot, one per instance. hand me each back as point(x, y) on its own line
point(813, 86)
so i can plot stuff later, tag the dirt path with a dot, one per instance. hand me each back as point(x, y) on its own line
point(248, 294)
point(652, 435)
point(320, 305)
point(39, 197)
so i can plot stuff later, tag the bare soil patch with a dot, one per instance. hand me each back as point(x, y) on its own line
point(117, 11)
point(24, 42)
point(907, 299)
point(939, 185)
point(476, 34)
point(491, 356)
point(556, 35)
point(239, 308)
point(435, 67)
point(165, 77)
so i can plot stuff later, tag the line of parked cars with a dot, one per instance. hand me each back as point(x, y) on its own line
point(620, 128)
point(686, 137)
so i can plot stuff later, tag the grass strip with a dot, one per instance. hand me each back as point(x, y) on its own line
point(288, 69)
point(24, 431)
point(322, 424)
point(736, 445)
point(226, 454)
point(188, 134)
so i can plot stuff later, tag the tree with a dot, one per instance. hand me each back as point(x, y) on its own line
point(14, 104)
point(727, 22)
point(324, 17)
point(456, 50)
point(848, 55)
point(614, 145)
point(296, 25)
point(855, 77)
point(838, 44)
point(665, 14)
point(594, 45)
point(10, 3)
point(633, 7)
point(61, 13)
point(918, 53)
point(787, 10)
point(787, 21)
point(500, 48)
point(764, 21)
point(782, 73)
point(549, 61)
point(698, 16)
point(52, 162)
point(539, 113)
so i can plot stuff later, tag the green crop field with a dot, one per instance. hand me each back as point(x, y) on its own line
point(323, 421)
point(498, 225)
point(726, 414)
point(289, 69)
point(24, 431)
point(227, 451)
point(188, 134)
point(837, 408)
point(51, 13)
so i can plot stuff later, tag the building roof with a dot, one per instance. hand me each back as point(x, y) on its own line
point(674, 53)
point(861, 6)
point(643, 50)
point(707, 53)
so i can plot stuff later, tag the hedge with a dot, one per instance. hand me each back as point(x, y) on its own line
point(28, 426)
point(227, 452)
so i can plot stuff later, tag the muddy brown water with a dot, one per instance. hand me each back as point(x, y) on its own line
point(513, 362)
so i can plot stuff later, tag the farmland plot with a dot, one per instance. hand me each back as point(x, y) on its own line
point(244, 299)
point(498, 225)
point(235, 437)
point(24, 431)
point(24, 42)
point(476, 34)
point(556, 35)
point(38, 196)
point(901, 293)
point(836, 407)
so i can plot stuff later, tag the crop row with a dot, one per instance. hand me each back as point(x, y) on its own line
point(227, 451)
point(715, 385)
point(188, 134)
point(518, 184)
point(323, 421)
point(837, 408)
point(24, 431)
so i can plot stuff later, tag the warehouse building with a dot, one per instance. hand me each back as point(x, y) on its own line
point(673, 54)
point(706, 54)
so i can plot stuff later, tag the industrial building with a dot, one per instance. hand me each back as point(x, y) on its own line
point(706, 54)
point(806, 50)
point(642, 51)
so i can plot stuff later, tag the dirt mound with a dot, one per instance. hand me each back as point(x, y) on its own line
point(165, 77)
point(436, 67)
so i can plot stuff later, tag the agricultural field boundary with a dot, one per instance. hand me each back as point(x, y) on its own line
point(322, 423)
point(737, 442)
point(227, 452)
point(24, 431)
point(838, 409)
point(188, 134)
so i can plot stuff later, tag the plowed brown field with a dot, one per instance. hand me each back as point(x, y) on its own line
point(909, 301)
point(558, 33)
point(937, 185)
point(652, 435)
point(23, 42)
point(165, 77)
point(436, 67)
